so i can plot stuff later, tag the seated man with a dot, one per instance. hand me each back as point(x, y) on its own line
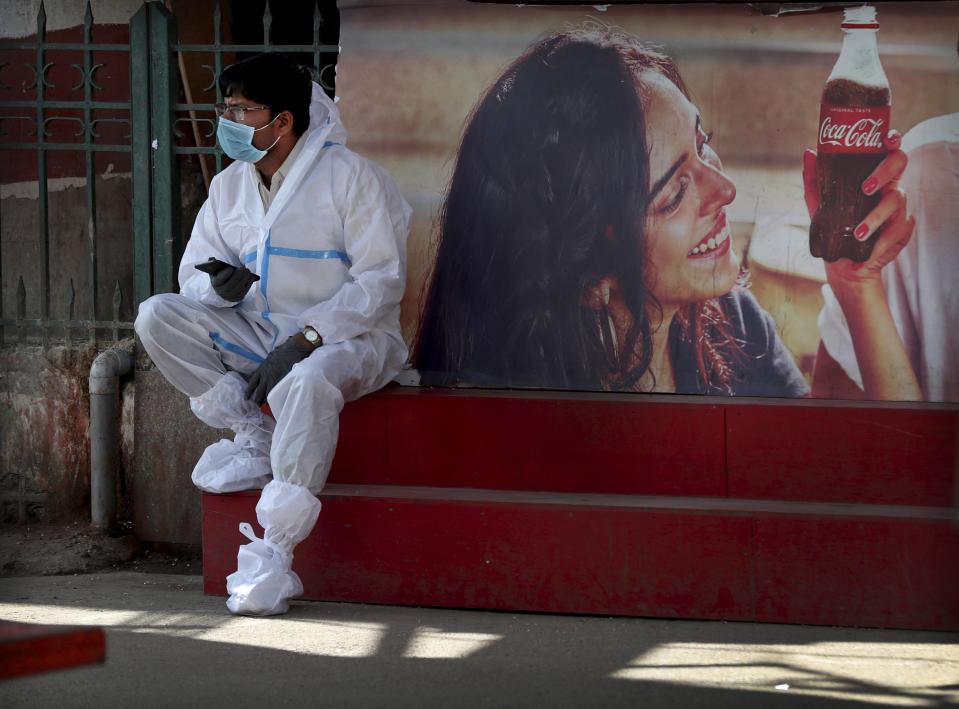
point(303, 313)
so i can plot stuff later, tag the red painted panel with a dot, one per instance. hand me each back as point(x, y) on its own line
point(221, 517)
point(787, 568)
point(361, 452)
point(879, 572)
point(113, 78)
point(880, 456)
point(508, 556)
point(28, 648)
point(557, 443)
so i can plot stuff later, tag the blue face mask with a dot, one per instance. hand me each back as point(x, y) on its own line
point(236, 140)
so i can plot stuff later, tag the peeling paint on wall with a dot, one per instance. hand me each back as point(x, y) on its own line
point(44, 433)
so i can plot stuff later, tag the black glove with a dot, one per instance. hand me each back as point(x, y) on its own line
point(232, 283)
point(276, 366)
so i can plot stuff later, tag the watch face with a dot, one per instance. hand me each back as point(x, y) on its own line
point(311, 335)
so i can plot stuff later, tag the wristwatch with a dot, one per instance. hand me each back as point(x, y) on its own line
point(312, 336)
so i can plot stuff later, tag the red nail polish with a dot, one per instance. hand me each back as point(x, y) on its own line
point(861, 232)
point(870, 185)
point(857, 266)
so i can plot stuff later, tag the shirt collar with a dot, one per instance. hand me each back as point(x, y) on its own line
point(282, 170)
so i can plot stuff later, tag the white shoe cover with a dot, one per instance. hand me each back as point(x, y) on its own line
point(242, 464)
point(264, 580)
point(228, 467)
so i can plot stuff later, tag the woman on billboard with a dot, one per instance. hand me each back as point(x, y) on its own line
point(584, 242)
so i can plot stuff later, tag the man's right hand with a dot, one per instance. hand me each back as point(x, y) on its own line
point(232, 283)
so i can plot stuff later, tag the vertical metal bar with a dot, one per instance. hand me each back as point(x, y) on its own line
point(217, 66)
point(3, 329)
point(267, 24)
point(955, 480)
point(140, 152)
point(217, 43)
point(194, 127)
point(317, 24)
point(117, 301)
point(71, 310)
point(21, 500)
point(44, 222)
point(21, 308)
point(91, 170)
point(166, 187)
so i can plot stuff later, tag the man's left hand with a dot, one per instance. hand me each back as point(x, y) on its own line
point(272, 369)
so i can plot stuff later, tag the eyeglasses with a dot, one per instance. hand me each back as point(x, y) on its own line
point(236, 111)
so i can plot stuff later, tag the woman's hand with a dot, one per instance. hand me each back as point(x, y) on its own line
point(890, 216)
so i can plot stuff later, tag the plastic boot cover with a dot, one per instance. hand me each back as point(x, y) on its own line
point(242, 464)
point(226, 466)
point(264, 581)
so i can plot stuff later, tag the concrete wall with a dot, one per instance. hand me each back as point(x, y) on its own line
point(44, 421)
point(45, 444)
point(164, 504)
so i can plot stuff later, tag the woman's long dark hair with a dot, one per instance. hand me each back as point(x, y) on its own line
point(548, 196)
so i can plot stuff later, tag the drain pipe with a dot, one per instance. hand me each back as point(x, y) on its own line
point(104, 374)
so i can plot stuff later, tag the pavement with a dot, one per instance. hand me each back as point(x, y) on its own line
point(169, 645)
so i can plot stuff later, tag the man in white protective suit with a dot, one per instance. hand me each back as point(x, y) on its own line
point(303, 249)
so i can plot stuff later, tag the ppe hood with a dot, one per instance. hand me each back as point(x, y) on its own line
point(325, 117)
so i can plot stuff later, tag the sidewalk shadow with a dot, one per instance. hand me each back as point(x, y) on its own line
point(168, 645)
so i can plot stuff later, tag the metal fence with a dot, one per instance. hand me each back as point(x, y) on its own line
point(45, 115)
point(165, 129)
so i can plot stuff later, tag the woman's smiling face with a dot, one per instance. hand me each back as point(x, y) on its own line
point(687, 234)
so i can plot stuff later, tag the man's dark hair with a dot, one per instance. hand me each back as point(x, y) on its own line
point(272, 80)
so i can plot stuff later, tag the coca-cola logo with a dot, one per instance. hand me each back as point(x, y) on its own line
point(852, 129)
point(864, 133)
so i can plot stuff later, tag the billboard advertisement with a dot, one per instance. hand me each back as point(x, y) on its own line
point(707, 199)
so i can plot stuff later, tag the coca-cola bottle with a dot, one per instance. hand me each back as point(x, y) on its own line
point(853, 119)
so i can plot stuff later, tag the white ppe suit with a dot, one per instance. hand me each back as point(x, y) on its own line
point(331, 253)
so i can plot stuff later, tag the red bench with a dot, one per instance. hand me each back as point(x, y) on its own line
point(29, 648)
point(680, 507)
